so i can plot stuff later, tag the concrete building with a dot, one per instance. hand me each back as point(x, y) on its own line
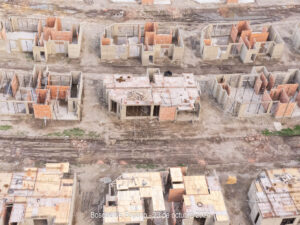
point(196, 199)
point(43, 94)
point(296, 38)
point(135, 198)
point(258, 93)
point(155, 95)
point(153, 43)
point(38, 196)
point(274, 197)
point(225, 41)
point(42, 38)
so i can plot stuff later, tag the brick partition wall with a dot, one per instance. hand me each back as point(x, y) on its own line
point(285, 109)
point(14, 85)
point(290, 89)
point(257, 85)
point(266, 100)
point(167, 113)
point(232, 1)
point(42, 111)
point(62, 91)
point(147, 2)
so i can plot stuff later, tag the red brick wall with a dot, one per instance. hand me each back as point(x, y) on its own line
point(175, 195)
point(266, 100)
point(284, 98)
point(62, 91)
point(257, 85)
point(42, 111)
point(50, 22)
point(150, 27)
point(290, 89)
point(61, 35)
point(234, 33)
point(149, 38)
point(232, 1)
point(41, 95)
point(163, 39)
point(14, 85)
point(167, 113)
point(275, 94)
point(271, 82)
point(147, 2)
point(285, 109)
point(264, 81)
point(105, 41)
point(243, 26)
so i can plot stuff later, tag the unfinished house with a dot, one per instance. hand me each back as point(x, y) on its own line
point(42, 38)
point(43, 94)
point(153, 43)
point(145, 2)
point(225, 1)
point(256, 94)
point(38, 196)
point(135, 198)
point(155, 95)
point(296, 37)
point(195, 199)
point(225, 41)
point(274, 197)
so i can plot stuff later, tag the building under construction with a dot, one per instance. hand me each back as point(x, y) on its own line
point(136, 198)
point(225, 41)
point(258, 93)
point(42, 94)
point(225, 1)
point(40, 37)
point(162, 96)
point(195, 199)
point(38, 196)
point(167, 197)
point(274, 197)
point(145, 2)
point(153, 43)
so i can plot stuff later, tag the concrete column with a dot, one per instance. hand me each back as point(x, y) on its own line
point(109, 104)
point(270, 107)
point(241, 109)
point(123, 112)
point(27, 108)
point(151, 111)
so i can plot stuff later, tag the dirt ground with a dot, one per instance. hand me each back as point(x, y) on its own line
point(229, 145)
